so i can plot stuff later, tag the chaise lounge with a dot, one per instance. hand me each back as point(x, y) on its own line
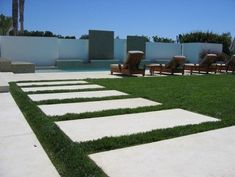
point(228, 66)
point(207, 65)
point(131, 65)
point(175, 65)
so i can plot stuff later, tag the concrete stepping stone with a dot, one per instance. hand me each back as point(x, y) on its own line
point(92, 106)
point(83, 130)
point(51, 83)
point(86, 94)
point(67, 87)
point(207, 154)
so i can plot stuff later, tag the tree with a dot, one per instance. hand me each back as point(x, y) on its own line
point(21, 15)
point(162, 39)
point(15, 16)
point(5, 24)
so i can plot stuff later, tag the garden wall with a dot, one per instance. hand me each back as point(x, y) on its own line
point(120, 46)
point(73, 49)
point(193, 50)
point(44, 51)
point(162, 51)
point(38, 50)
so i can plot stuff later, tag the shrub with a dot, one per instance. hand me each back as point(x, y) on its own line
point(162, 39)
point(209, 37)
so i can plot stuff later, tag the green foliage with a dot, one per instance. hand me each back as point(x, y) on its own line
point(44, 34)
point(162, 39)
point(84, 36)
point(5, 24)
point(209, 37)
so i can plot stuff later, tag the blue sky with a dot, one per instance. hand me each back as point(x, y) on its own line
point(165, 18)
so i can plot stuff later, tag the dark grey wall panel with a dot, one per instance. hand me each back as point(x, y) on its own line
point(136, 43)
point(101, 45)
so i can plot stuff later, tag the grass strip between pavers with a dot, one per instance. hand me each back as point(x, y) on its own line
point(209, 95)
point(65, 91)
point(53, 85)
point(75, 100)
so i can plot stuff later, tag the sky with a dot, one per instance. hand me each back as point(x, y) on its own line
point(165, 18)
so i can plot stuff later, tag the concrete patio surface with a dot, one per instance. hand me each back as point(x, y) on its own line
point(207, 154)
point(85, 94)
point(51, 83)
point(92, 106)
point(21, 154)
point(65, 87)
point(113, 126)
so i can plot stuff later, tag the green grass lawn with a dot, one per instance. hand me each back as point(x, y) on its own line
point(212, 95)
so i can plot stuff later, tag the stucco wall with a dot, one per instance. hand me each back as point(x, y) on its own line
point(73, 49)
point(119, 49)
point(41, 51)
point(192, 50)
point(158, 50)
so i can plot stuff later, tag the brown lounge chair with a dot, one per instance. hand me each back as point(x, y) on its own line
point(207, 65)
point(175, 65)
point(228, 66)
point(131, 66)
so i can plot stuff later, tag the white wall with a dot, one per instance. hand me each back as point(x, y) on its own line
point(120, 49)
point(192, 50)
point(158, 50)
point(41, 51)
point(73, 49)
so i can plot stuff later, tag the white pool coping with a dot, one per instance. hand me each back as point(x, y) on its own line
point(207, 154)
point(127, 124)
point(92, 106)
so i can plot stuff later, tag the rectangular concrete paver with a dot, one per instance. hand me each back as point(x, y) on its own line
point(92, 106)
point(83, 130)
point(67, 87)
point(207, 154)
point(51, 83)
point(86, 94)
point(21, 154)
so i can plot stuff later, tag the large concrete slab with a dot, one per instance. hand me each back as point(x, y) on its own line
point(12, 121)
point(92, 106)
point(208, 154)
point(83, 130)
point(21, 154)
point(86, 94)
point(51, 83)
point(67, 87)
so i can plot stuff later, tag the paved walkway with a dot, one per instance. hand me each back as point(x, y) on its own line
point(85, 94)
point(83, 130)
point(51, 83)
point(208, 154)
point(93, 106)
point(21, 155)
point(64, 87)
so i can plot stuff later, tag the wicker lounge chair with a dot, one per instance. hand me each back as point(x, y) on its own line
point(207, 65)
point(131, 66)
point(228, 66)
point(175, 65)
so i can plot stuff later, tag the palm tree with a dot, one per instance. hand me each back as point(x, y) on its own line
point(15, 16)
point(21, 16)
